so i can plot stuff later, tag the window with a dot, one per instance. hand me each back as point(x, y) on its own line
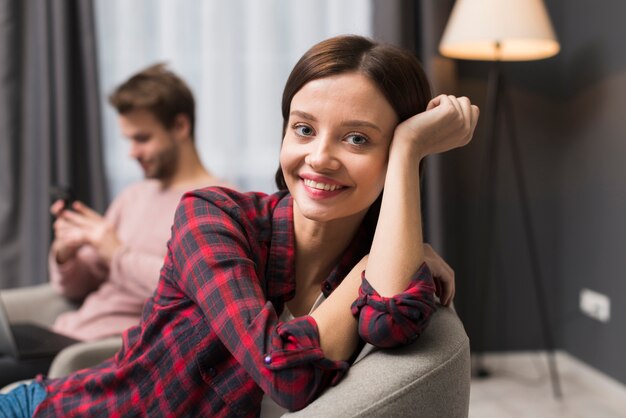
point(235, 55)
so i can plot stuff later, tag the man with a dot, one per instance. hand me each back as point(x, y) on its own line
point(112, 262)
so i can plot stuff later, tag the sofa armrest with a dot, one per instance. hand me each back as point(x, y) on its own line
point(84, 354)
point(429, 378)
point(35, 304)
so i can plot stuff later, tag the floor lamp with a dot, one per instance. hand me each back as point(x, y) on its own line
point(496, 31)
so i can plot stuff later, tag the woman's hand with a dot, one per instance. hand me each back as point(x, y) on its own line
point(447, 123)
point(442, 274)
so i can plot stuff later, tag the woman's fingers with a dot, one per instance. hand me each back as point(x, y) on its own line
point(451, 287)
point(475, 114)
point(438, 288)
point(443, 275)
point(434, 102)
point(448, 123)
point(454, 101)
point(457, 122)
point(468, 113)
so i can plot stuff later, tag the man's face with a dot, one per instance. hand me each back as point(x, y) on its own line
point(153, 145)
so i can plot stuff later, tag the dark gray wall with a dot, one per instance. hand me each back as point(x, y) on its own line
point(571, 123)
point(592, 179)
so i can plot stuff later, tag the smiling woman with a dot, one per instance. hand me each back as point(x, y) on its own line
point(334, 153)
point(265, 300)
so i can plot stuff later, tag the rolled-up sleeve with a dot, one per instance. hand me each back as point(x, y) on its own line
point(396, 320)
point(297, 342)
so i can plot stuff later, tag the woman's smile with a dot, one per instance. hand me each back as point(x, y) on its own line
point(320, 187)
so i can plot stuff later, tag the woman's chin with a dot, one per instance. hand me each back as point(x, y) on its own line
point(313, 211)
point(316, 214)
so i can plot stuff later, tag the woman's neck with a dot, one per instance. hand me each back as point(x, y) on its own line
point(319, 245)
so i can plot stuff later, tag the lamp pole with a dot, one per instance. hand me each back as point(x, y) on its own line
point(499, 103)
point(485, 218)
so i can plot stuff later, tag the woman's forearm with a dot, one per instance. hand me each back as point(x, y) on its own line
point(336, 325)
point(397, 249)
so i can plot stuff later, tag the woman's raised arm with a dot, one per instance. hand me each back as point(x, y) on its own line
point(397, 250)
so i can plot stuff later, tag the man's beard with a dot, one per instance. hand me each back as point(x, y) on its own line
point(164, 165)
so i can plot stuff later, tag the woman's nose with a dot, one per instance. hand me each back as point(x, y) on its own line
point(323, 154)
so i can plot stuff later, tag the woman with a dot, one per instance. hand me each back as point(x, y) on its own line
point(276, 294)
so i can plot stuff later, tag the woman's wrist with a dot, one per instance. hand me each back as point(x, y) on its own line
point(408, 145)
point(405, 154)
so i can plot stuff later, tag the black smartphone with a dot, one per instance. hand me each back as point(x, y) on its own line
point(63, 193)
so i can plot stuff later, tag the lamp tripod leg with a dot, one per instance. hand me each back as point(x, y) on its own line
point(482, 266)
point(497, 92)
point(538, 281)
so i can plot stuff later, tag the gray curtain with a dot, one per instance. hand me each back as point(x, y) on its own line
point(49, 126)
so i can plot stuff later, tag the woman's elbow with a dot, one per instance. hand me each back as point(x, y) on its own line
point(383, 333)
point(300, 389)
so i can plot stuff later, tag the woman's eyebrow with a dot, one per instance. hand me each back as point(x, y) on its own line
point(361, 123)
point(304, 115)
point(351, 123)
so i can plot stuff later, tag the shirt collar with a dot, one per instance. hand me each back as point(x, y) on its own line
point(281, 267)
point(281, 283)
point(358, 248)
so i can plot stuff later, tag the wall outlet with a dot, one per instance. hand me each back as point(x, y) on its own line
point(596, 305)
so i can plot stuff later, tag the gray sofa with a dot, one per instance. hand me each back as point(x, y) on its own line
point(430, 378)
point(41, 305)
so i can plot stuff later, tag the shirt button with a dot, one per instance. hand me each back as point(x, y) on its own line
point(267, 359)
point(212, 372)
point(327, 287)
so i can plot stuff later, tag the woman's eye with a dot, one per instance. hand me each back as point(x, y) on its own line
point(356, 139)
point(303, 130)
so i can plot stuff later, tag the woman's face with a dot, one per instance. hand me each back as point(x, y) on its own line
point(335, 149)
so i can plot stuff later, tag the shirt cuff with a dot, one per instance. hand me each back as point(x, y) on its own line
point(396, 320)
point(297, 343)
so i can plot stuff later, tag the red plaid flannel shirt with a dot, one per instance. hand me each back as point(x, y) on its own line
point(210, 343)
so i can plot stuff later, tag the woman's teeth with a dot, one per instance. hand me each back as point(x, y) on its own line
point(321, 186)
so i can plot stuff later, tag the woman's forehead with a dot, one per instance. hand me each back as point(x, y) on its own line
point(347, 96)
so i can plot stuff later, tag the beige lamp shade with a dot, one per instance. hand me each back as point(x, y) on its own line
point(504, 30)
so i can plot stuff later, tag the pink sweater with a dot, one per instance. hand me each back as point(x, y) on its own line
point(115, 295)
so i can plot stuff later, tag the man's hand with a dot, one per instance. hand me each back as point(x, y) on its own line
point(80, 226)
point(442, 274)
